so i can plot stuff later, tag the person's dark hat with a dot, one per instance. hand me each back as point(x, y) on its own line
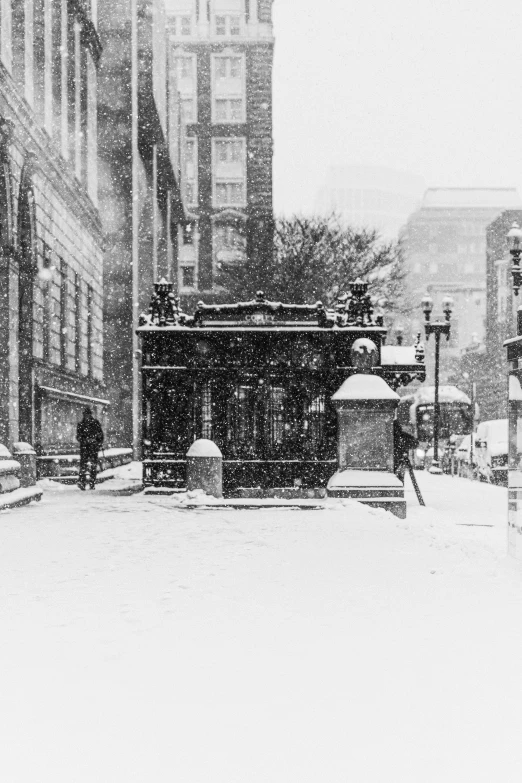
point(87, 411)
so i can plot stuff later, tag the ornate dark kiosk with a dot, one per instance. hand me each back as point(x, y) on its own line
point(257, 378)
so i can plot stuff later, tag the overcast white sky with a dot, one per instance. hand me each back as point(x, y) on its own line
point(430, 87)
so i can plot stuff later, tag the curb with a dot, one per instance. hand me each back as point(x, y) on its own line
point(20, 497)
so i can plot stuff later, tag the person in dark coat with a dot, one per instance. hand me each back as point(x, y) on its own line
point(403, 442)
point(89, 435)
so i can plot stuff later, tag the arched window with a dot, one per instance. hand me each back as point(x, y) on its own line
point(27, 220)
point(6, 188)
point(26, 298)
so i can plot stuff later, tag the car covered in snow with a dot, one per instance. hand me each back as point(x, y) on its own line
point(492, 451)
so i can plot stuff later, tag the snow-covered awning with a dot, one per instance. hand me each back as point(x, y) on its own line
point(398, 355)
point(62, 393)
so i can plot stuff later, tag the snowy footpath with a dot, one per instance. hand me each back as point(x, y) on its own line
point(144, 643)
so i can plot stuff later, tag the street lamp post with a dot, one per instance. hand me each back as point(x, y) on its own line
point(437, 328)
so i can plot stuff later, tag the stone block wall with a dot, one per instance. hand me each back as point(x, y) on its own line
point(51, 287)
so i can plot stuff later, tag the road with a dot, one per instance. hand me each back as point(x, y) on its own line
point(141, 642)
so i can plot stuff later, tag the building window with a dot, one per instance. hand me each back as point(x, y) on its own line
point(228, 110)
point(84, 330)
point(51, 278)
point(71, 321)
point(227, 25)
point(189, 110)
point(6, 30)
point(228, 244)
point(48, 75)
point(191, 172)
point(64, 303)
point(29, 52)
point(91, 126)
point(186, 80)
point(182, 25)
point(188, 255)
point(228, 89)
point(6, 200)
point(90, 331)
point(188, 277)
point(206, 411)
point(502, 291)
point(229, 172)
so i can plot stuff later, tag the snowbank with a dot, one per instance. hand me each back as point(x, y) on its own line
point(144, 642)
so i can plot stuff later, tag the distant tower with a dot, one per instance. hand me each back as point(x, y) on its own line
point(222, 53)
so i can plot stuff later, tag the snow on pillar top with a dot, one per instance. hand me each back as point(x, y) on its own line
point(204, 448)
point(365, 387)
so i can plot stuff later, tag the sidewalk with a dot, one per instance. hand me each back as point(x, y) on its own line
point(145, 642)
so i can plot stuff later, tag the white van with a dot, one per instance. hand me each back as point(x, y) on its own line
point(492, 451)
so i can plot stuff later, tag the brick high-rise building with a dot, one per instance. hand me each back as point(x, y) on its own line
point(51, 344)
point(222, 53)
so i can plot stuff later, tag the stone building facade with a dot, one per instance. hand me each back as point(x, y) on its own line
point(501, 316)
point(51, 340)
point(222, 54)
point(140, 131)
point(444, 245)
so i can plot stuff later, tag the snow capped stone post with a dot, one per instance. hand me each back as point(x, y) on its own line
point(26, 456)
point(205, 468)
point(365, 407)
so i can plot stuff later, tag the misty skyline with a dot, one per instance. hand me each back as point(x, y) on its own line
point(428, 89)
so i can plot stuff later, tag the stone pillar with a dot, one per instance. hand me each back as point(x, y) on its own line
point(366, 409)
point(26, 456)
point(9, 471)
point(205, 468)
point(8, 348)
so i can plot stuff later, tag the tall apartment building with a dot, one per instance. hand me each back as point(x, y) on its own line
point(222, 54)
point(51, 342)
point(501, 315)
point(140, 133)
point(445, 251)
point(372, 197)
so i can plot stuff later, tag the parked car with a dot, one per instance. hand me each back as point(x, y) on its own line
point(428, 456)
point(492, 451)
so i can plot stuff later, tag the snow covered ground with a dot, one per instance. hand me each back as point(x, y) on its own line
point(141, 642)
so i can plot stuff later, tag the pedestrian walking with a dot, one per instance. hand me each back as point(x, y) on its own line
point(403, 442)
point(89, 435)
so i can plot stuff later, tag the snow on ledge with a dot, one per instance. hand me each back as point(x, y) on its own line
point(365, 387)
point(364, 478)
point(204, 448)
point(19, 497)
